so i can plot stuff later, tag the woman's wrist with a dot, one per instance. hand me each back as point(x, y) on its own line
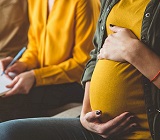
point(23, 66)
point(134, 51)
point(34, 77)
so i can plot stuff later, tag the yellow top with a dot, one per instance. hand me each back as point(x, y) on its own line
point(117, 87)
point(59, 43)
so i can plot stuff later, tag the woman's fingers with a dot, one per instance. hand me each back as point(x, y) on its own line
point(127, 126)
point(115, 29)
point(5, 62)
point(119, 125)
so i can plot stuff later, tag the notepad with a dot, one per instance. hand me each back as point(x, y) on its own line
point(4, 80)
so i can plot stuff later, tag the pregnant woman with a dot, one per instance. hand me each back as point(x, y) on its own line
point(116, 87)
point(122, 81)
point(121, 61)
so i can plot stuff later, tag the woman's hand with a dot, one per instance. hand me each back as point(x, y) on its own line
point(117, 45)
point(17, 68)
point(119, 126)
point(5, 62)
point(21, 84)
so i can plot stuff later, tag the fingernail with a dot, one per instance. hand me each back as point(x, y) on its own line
point(98, 112)
point(134, 126)
point(111, 25)
point(132, 118)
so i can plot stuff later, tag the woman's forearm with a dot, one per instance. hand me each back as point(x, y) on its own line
point(145, 60)
point(86, 102)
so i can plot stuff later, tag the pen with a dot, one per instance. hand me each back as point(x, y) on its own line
point(15, 58)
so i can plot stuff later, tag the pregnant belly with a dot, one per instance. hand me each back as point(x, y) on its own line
point(115, 88)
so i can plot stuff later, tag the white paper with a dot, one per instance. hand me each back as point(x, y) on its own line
point(4, 80)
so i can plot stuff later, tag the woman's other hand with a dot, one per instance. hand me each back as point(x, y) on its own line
point(117, 45)
point(120, 125)
point(21, 84)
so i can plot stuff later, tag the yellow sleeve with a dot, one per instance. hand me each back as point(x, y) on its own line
point(30, 56)
point(87, 13)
